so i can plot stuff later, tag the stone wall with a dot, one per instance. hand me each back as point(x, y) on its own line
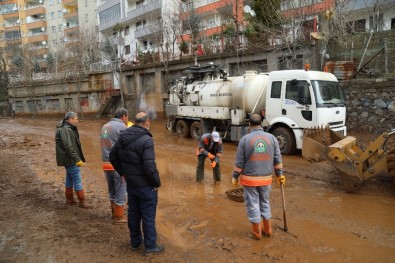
point(370, 104)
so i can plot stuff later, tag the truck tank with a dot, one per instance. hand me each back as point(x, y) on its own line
point(246, 92)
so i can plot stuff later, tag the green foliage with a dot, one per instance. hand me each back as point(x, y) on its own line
point(229, 30)
point(184, 47)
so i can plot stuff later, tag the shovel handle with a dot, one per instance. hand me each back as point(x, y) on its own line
point(284, 210)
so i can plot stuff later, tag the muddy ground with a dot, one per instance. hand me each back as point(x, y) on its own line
point(196, 222)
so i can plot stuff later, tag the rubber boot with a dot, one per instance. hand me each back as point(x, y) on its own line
point(81, 198)
point(256, 231)
point(69, 196)
point(267, 227)
point(119, 217)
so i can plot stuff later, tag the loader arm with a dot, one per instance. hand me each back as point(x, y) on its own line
point(355, 165)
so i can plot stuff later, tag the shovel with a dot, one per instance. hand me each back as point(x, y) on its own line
point(285, 228)
point(284, 212)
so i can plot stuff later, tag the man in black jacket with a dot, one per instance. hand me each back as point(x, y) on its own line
point(133, 157)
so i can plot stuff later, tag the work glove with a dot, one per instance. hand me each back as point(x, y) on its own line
point(211, 156)
point(235, 181)
point(213, 164)
point(281, 179)
point(79, 163)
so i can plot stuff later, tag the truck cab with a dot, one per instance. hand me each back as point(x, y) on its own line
point(299, 99)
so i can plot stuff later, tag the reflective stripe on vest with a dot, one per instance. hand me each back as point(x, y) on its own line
point(107, 166)
point(260, 180)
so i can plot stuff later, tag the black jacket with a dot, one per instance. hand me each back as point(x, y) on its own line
point(133, 156)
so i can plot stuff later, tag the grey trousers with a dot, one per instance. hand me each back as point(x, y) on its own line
point(200, 169)
point(257, 202)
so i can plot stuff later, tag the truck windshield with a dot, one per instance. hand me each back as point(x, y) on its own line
point(327, 93)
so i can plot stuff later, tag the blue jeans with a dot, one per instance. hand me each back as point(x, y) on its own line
point(257, 202)
point(116, 188)
point(142, 202)
point(73, 177)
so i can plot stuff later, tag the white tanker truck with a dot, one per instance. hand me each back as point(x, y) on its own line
point(289, 101)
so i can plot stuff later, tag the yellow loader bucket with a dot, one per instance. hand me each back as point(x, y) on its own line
point(316, 142)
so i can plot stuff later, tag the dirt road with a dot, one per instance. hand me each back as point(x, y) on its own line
point(196, 222)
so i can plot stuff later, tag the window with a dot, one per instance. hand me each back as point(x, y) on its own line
point(86, 2)
point(51, 2)
point(86, 18)
point(359, 25)
point(60, 14)
point(126, 30)
point(53, 29)
point(52, 15)
point(127, 49)
point(60, 27)
point(276, 90)
point(59, 1)
point(298, 90)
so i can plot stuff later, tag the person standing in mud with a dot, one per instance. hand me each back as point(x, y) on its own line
point(69, 154)
point(133, 156)
point(116, 184)
point(258, 154)
point(210, 145)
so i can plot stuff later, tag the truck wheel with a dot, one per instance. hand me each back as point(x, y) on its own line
point(182, 129)
point(196, 130)
point(286, 140)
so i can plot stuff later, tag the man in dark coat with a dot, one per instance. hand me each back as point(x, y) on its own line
point(133, 156)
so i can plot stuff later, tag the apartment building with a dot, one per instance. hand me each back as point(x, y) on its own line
point(369, 15)
point(44, 26)
point(141, 23)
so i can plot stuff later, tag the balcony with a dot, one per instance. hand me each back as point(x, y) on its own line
point(35, 10)
point(12, 41)
point(71, 15)
point(70, 2)
point(38, 37)
point(109, 23)
point(145, 8)
point(11, 15)
point(72, 30)
point(148, 30)
point(36, 24)
point(11, 28)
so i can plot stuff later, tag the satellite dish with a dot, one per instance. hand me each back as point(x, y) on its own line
point(43, 29)
point(45, 56)
point(43, 43)
point(317, 35)
point(247, 9)
point(252, 13)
